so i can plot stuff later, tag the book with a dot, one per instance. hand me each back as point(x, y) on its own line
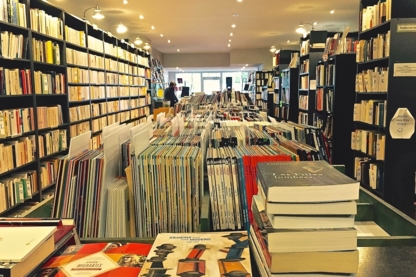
point(18, 243)
point(97, 259)
point(305, 182)
point(216, 254)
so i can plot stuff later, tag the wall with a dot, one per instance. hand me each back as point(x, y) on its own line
point(184, 60)
point(258, 57)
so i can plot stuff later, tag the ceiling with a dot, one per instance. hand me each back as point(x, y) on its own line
point(204, 26)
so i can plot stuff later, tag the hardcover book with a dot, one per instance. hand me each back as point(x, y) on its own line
point(219, 254)
point(97, 260)
point(305, 182)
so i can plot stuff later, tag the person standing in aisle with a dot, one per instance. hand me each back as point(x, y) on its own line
point(170, 94)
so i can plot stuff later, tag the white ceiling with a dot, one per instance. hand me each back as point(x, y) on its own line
point(204, 26)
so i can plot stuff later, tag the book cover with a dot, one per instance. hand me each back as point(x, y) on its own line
point(219, 254)
point(305, 181)
point(97, 260)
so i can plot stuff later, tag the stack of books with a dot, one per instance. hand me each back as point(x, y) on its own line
point(304, 219)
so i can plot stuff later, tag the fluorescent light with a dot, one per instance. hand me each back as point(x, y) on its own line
point(233, 26)
point(141, 16)
point(332, 12)
point(121, 28)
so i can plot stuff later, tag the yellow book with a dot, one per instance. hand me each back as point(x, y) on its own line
point(49, 52)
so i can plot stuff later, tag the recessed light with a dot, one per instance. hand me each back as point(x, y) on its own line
point(288, 41)
point(236, 14)
point(239, 0)
point(177, 50)
point(315, 23)
point(177, 68)
point(141, 16)
point(332, 12)
point(161, 35)
point(229, 40)
point(168, 40)
point(125, 2)
point(246, 64)
point(229, 45)
point(153, 27)
point(231, 34)
point(233, 26)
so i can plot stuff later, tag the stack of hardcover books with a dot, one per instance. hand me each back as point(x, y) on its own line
point(304, 220)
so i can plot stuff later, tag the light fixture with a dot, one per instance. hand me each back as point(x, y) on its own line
point(301, 28)
point(246, 64)
point(161, 35)
point(177, 68)
point(288, 41)
point(146, 46)
point(273, 49)
point(233, 26)
point(231, 34)
point(239, 0)
point(229, 40)
point(229, 45)
point(141, 16)
point(121, 28)
point(153, 27)
point(332, 12)
point(177, 50)
point(168, 40)
point(97, 13)
point(125, 2)
point(315, 23)
point(138, 41)
point(236, 14)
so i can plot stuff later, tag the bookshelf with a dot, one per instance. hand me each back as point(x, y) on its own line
point(264, 87)
point(335, 81)
point(56, 92)
point(285, 85)
point(312, 48)
point(385, 165)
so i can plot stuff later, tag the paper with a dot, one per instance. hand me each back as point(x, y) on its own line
point(402, 125)
point(404, 70)
point(406, 27)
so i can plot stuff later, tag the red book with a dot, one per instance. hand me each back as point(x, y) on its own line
point(97, 259)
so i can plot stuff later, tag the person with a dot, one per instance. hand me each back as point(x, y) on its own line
point(169, 94)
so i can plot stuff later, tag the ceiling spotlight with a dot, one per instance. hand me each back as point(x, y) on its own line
point(138, 41)
point(177, 50)
point(141, 16)
point(229, 45)
point(236, 14)
point(332, 12)
point(233, 26)
point(273, 49)
point(229, 40)
point(97, 13)
point(177, 68)
point(231, 34)
point(146, 46)
point(168, 40)
point(246, 64)
point(288, 41)
point(125, 2)
point(315, 23)
point(121, 28)
point(161, 35)
point(153, 27)
point(239, 0)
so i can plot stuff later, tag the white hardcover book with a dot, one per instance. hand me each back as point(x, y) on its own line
point(19, 242)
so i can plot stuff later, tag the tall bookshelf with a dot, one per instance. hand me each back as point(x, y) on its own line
point(264, 87)
point(287, 107)
point(280, 99)
point(386, 165)
point(335, 83)
point(312, 48)
point(61, 78)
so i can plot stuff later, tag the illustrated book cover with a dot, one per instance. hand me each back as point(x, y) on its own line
point(97, 260)
point(219, 254)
